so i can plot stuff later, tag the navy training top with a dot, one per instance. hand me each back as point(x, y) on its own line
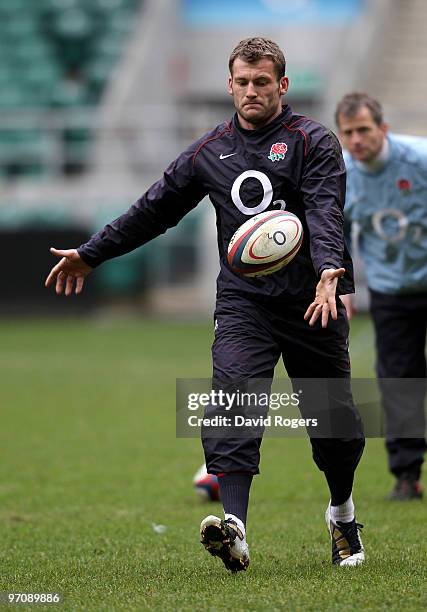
point(293, 162)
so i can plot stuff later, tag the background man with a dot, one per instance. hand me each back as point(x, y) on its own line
point(258, 320)
point(387, 197)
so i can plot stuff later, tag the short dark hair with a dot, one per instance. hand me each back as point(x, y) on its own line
point(351, 104)
point(252, 50)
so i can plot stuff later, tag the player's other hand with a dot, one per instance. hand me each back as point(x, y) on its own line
point(69, 273)
point(350, 308)
point(324, 302)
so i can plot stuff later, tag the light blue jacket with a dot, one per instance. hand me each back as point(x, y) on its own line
point(390, 209)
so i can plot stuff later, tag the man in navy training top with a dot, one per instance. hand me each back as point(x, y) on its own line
point(293, 313)
point(387, 198)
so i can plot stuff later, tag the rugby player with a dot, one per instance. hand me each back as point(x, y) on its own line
point(386, 197)
point(293, 313)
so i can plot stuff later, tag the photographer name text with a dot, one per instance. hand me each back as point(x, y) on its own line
point(238, 420)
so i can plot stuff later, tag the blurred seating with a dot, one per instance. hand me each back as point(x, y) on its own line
point(55, 54)
point(170, 260)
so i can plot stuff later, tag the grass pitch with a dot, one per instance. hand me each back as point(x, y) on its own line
point(90, 468)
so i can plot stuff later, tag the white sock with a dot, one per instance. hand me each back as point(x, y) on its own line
point(238, 522)
point(344, 512)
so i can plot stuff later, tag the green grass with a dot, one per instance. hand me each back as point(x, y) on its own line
point(90, 461)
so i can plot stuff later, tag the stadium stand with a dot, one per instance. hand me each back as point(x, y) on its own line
point(56, 57)
point(55, 54)
point(396, 72)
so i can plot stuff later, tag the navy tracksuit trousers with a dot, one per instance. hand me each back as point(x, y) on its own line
point(250, 337)
point(400, 328)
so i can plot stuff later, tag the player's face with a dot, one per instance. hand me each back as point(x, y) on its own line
point(256, 92)
point(361, 135)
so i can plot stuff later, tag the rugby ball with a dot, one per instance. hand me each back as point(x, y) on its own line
point(206, 485)
point(265, 243)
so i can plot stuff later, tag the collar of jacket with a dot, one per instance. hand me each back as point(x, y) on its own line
point(284, 117)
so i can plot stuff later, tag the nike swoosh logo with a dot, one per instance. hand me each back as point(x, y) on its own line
point(225, 156)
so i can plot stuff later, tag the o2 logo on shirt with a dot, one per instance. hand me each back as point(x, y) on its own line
point(267, 190)
point(392, 226)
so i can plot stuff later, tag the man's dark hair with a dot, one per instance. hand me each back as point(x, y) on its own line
point(252, 50)
point(351, 104)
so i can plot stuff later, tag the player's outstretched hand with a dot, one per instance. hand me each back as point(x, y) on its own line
point(324, 302)
point(69, 272)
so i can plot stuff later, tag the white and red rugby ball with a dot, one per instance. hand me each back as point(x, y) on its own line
point(265, 243)
point(206, 485)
